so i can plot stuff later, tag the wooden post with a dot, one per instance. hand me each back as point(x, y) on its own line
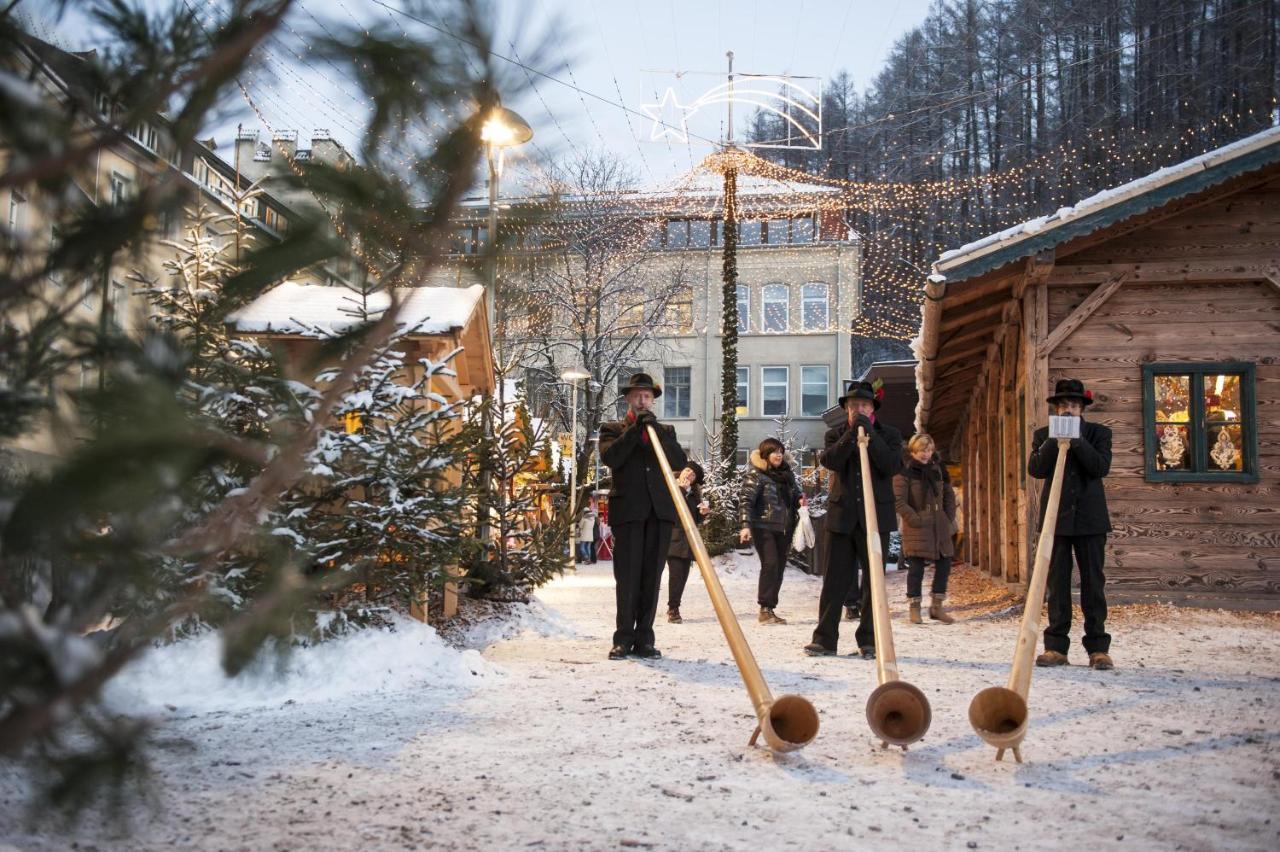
point(1035, 314)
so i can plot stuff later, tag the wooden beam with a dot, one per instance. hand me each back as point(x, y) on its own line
point(1223, 270)
point(1077, 317)
point(965, 319)
point(1273, 275)
point(1036, 271)
point(971, 291)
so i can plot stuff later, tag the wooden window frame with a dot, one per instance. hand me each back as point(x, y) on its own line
point(1198, 431)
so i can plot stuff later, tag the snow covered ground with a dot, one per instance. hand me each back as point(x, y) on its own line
point(402, 742)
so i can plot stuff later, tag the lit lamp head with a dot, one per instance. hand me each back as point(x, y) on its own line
point(504, 128)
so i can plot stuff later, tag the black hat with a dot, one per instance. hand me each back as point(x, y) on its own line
point(641, 381)
point(854, 389)
point(699, 475)
point(1071, 389)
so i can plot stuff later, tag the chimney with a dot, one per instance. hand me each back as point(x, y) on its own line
point(285, 142)
point(326, 149)
point(245, 157)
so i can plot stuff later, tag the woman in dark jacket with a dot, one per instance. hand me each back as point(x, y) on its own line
point(679, 554)
point(926, 503)
point(771, 499)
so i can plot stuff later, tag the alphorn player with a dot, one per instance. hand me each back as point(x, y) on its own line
point(846, 518)
point(641, 514)
point(1083, 524)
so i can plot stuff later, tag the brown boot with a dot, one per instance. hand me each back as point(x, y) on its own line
point(1101, 661)
point(673, 616)
point(913, 611)
point(1052, 658)
point(768, 616)
point(937, 613)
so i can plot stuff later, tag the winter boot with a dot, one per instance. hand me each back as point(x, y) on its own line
point(937, 613)
point(1101, 661)
point(851, 613)
point(1051, 658)
point(913, 610)
point(673, 616)
point(768, 616)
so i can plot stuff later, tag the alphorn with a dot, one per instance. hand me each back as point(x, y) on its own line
point(897, 711)
point(999, 714)
point(788, 722)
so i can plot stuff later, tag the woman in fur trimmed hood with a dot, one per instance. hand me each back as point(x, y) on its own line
point(771, 500)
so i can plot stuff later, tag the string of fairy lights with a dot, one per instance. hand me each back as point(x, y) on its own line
point(894, 253)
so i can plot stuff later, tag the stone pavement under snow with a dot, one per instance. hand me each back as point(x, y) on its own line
point(543, 743)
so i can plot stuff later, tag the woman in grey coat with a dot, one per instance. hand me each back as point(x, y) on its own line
point(926, 503)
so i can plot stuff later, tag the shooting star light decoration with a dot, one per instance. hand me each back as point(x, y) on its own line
point(799, 108)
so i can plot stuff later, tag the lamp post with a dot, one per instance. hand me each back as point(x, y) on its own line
point(573, 377)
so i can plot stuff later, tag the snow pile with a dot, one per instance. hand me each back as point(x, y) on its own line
point(534, 619)
point(189, 674)
point(311, 309)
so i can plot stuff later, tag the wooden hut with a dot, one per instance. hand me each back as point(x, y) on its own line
point(1163, 297)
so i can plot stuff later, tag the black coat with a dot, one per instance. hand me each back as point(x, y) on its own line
point(845, 513)
point(766, 502)
point(679, 541)
point(1083, 508)
point(638, 487)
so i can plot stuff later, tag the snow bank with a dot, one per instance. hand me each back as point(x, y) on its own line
point(188, 674)
point(312, 309)
point(534, 618)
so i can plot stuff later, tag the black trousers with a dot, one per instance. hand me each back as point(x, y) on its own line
point(677, 577)
point(854, 598)
point(1090, 550)
point(638, 552)
point(915, 574)
point(771, 547)
point(848, 554)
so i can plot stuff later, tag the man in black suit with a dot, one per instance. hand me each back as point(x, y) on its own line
point(846, 517)
point(641, 513)
point(1083, 524)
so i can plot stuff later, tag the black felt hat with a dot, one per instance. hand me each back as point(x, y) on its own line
point(854, 389)
point(641, 381)
point(699, 475)
point(1071, 389)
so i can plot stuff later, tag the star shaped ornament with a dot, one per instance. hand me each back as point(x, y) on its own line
point(669, 117)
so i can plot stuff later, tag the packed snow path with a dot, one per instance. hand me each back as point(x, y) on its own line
point(557, 747)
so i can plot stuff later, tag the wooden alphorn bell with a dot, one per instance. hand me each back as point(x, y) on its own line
point(898, 712)
point(999, 714)
point(788, 722)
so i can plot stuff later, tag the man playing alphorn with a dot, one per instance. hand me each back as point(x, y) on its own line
point(641, 514)
point(846, 518)
point(1083, 524)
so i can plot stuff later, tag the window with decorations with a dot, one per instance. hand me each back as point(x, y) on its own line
point(1199, 422)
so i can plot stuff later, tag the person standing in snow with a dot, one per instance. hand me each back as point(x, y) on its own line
point(680, 554)
point(1083, 524)
point(926, 503)
point(586, 534)
point(641, 513)
point(770, 504)
point(846, 517)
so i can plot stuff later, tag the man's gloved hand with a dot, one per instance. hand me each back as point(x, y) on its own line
point(861, 420)
point(646, 418)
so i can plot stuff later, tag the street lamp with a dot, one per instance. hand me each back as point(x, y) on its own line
point(573, 377)
point(503, 129)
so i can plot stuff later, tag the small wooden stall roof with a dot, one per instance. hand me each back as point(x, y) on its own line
point(448, 317)
point(974, 290)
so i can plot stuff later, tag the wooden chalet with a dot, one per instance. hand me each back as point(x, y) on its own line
point(1163, 297)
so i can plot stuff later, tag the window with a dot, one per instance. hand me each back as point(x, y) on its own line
point(744, 390)
point(699, 233)
point(677, 233)
point(677, 314)
point(119, 189)
point(631, 319)
point(116, 302)
point(749, 232)
point(814, 384)
point(676, 387)
point(773, 388)
point(775, 307)
point(1200, 422)
point(744, 309)
point(17, 211)
point(802, 230)
point(778, 231)
point(813, 307)
point(740, 456)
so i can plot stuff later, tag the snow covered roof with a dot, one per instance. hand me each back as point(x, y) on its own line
point(1109, 206)
point(317, 310)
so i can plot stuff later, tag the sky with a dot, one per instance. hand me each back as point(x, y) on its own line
point(624, 54)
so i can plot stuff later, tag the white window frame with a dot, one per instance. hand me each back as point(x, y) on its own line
point(124, 184)
point(805, 299)
point(668, 397)
point(744, 400)
point(744, 317)
point(765, 301)
point(826, 388)
point(17, 210)
point(786, 391)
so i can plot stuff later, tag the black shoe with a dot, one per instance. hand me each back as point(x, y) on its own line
point(851, 613)
point(673, 615)
point(814, 649)
point(619, 652)
point(648, 652)
point(868, 652)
